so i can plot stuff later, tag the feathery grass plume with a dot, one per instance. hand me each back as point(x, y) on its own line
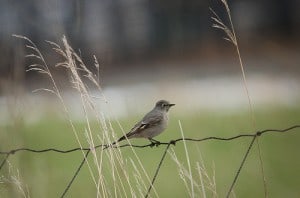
point(113, 159)
point(20, 189)
point(43, 68)
point(219, 24)
point(231, 37)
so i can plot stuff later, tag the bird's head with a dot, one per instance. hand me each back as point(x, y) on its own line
point(163, 105)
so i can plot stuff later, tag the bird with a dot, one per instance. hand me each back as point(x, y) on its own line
point(152, 124)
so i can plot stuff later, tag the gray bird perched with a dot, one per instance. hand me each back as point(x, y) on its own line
point(153, 123)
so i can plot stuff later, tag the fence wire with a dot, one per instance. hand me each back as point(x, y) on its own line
point(254, 136)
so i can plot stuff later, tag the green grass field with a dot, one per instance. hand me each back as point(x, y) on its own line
point(47, 174)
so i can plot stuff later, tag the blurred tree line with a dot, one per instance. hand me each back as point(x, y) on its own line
point(127, 30)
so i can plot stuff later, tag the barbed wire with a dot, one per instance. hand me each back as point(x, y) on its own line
point(255, 135)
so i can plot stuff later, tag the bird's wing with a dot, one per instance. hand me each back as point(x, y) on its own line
point(149, 120)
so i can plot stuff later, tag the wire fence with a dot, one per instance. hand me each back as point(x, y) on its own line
point(71, 59)
point(253, 137)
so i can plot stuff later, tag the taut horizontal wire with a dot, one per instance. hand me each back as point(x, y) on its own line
point(258, 133)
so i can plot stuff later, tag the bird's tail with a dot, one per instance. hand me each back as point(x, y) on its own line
point(119, 140)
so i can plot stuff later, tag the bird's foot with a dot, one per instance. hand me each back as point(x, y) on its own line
point(154, 142)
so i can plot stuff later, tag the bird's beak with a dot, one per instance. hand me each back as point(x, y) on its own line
point(170, 105)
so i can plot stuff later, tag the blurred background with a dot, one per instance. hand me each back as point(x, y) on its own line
point(151, 50)
point(147, 44)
